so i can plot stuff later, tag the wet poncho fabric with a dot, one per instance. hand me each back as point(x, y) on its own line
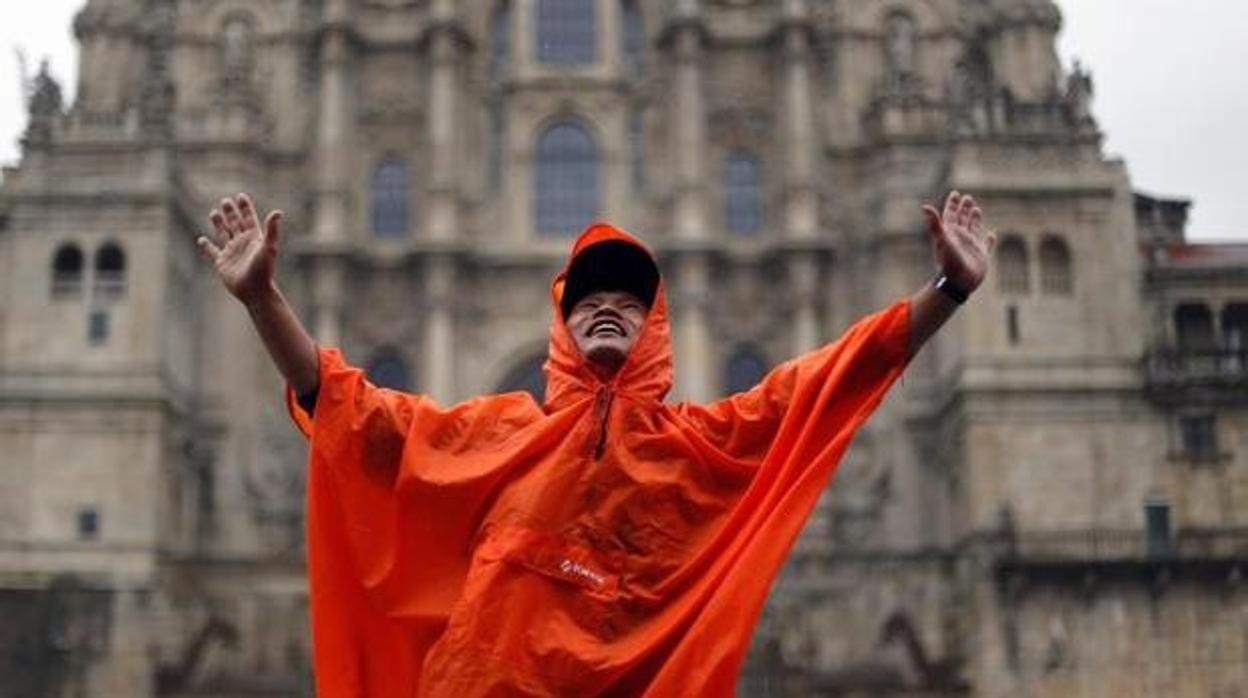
point(600, 543)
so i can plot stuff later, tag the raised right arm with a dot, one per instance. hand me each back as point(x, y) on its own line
point(244, 254)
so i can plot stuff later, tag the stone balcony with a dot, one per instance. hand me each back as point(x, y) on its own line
point(1089, 556)
point(1216, 377)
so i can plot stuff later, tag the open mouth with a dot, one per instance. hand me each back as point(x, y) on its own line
point(606, 328)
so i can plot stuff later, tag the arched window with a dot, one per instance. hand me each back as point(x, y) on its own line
point(500, 39)
point(1012, 266)
point(900, 44)
point(1193, 327)
point(1055, 273)
point(529, 375)
point(1235, 328)
point(110, 271)
point(391, 191)
point(634, 36)
point(566, 34)
point(745, 369)
point(567, 179)
point(238, 45)
point(743, 197)
point(387, 369)
point(67, 265)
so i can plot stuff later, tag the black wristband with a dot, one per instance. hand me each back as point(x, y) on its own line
point(948, 287)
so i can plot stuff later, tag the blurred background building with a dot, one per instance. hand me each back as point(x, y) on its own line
point(1054, 503)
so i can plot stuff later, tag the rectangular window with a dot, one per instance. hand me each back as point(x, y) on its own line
point(88, 523)
point(1198, 436)
point(97, 327)
point(1157, 521)
point(566, 33)
point(1011, 324)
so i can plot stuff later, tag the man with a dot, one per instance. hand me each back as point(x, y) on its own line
point(601, 543)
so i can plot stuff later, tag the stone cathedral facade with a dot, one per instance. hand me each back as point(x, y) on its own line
point(1053, 503)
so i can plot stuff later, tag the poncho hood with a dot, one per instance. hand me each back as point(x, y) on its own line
point(645, 376)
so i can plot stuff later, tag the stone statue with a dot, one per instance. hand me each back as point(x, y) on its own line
point(1079, 91)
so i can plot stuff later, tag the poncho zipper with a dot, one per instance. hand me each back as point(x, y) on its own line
point(602, 409)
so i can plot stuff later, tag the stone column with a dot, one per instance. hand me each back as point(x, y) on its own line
point(694, 358)
point(800, 140)
point(333, 127)
point(801, 198)
point(437, 378)
point(443, 43)
point(331, 183)
point(689, 119)
point(692, 270)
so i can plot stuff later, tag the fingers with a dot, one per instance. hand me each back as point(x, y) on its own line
point(965, 206)
point(207, 248)
point(247, 211)
point(949, 215)
point(233, 220)
point(934, 225)
point(273, 229)
point(224, 233)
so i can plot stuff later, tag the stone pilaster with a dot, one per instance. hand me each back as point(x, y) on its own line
point(443, 43)
point(437, 340)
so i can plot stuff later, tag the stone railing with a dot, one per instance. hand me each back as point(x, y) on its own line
point(1168, 370)
point(1126, 545)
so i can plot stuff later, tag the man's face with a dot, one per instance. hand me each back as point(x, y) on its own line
point(604, 326)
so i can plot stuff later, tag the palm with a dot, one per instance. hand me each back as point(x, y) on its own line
point(961, 245)
point(243, 263)
point(245, 252)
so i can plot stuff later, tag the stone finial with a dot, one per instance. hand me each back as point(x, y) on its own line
point(45, 106)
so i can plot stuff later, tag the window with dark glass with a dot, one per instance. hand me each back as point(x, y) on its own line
point(391, 194)
point(745, 369)
point(743, 196)
point(88, 523)
point(1012, 331)
point(67, 265)
point(387, 369)
point(566, 33)
point(1157, 526)
point(1198, 435)
point(528, 376)
point(110, 272)
point(498, 144)
point(1012, 265)
point(1055, 274)
point(1235, 328)
point(634, 37)
point(566, 179)
point(97, 327)
point(500, 39)
point(1193, 326)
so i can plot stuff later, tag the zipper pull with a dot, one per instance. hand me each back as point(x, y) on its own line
point(602, 410)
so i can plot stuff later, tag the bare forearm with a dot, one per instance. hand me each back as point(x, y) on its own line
point(288, 343)
point(929, 310)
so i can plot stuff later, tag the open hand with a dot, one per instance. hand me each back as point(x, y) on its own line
point(244, 252)
point(961, 245)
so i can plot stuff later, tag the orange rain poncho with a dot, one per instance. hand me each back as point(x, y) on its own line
point(601, 543)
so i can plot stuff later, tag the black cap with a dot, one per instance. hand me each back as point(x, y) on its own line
point(610, 265)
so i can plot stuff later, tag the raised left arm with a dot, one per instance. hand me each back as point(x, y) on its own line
point(962, 248)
